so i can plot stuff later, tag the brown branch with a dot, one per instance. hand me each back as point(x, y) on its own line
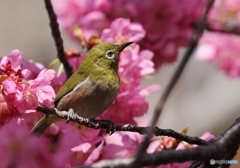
point(98, 124)
point(233, 30)
point(57, 38)
point(216, 150)
point(65, 115)
point(173, 81)
point(230, 154)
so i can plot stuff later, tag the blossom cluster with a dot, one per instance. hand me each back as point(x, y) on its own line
point(74, 145)
point(218, 48)
point(26, 84)
point(134, 64)
point(22, 90)
point(164, 27)
point(168, 24)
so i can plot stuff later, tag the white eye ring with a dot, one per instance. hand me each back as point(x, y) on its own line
point(110, 54)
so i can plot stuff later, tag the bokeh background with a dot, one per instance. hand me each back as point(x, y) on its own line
point(204, 98)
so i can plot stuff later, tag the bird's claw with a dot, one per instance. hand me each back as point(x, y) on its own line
point(71, 115)
point(127, 127)
point(111, 127)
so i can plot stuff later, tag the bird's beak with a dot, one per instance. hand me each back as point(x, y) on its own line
point(121, 47)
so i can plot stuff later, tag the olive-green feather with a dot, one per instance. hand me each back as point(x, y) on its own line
point(99, 68)
point(93, 66)
point(69, 85)
point(43, 124)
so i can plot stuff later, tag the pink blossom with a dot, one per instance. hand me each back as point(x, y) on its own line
point(169, 143)
point(130, 102)
point(167, 23)
point(11, 66)
point(86, 153)
point(221, 49)
point(84, 14)
point(128, 105)
point(133, 65)
point(33, 67)
point(207, 136)
point(41, 88)
point(121, 30)
point(155, 145)
point(11, 62)
point(95, 154)
point(146, 91)
point(28, 95)
point(121, 145)
point(168, 26)
point(11, 91)
point(225, 14)
point(62, 147)
point(18, 91)
point(83, 147)
point(20, 149)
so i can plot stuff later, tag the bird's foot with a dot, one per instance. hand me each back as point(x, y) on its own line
point(127, 127)
point(71, 115)
point(107, 124)
point(111, 127)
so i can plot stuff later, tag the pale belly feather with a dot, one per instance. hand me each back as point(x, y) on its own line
point(89, 99)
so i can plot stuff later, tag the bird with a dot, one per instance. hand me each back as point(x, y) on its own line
point(91, 89)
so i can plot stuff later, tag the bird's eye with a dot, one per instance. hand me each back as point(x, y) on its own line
point(110, 54)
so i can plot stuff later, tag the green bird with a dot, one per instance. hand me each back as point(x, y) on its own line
point(92, 88)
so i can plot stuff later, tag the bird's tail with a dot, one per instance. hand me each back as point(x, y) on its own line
point(43, 124)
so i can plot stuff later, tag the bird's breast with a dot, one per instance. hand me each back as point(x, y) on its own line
point(90, 98)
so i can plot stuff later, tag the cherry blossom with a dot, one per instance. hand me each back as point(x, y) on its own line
point(19, 93)
point(222, 50)
point(133, 65)
point(18, 148)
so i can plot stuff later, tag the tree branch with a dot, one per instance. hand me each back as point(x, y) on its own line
point(57, 38)
point(231, 151)
point(98, 124)
point(233, 30)
point(217, 150)
point(173, 81)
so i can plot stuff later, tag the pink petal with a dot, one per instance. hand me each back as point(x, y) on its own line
point(9, 87)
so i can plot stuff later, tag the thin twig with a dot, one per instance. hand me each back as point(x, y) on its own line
point(195, 164)
point(65, 115)
point(172, 83)
point(216, 150)
point(57, 38)
point(231, 152)
point(234, 30)
point(97, 124)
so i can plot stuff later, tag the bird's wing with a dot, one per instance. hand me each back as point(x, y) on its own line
point(68, 86)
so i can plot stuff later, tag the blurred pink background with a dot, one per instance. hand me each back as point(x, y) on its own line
point(204, 98)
